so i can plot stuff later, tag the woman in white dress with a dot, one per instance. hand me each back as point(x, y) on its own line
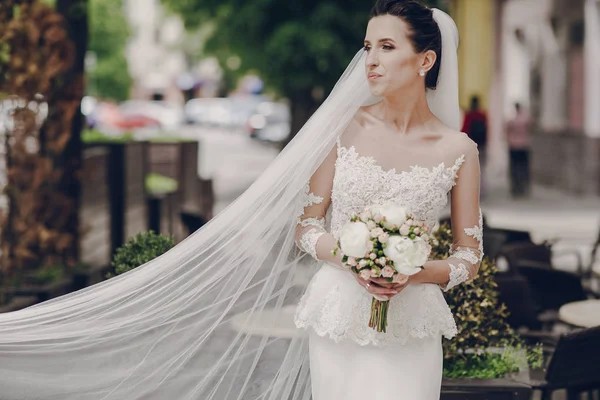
point(395, 150)
point(213, 318)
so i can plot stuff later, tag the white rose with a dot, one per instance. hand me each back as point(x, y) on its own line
point(365, 274)
point(408, 255)
point(394, 214)
point(371, 224)
point(365, 216)
point(404, 230)
point(375, 273)
point(376, 232)
point(363, 263)
point(387, 272)
point(353, 239)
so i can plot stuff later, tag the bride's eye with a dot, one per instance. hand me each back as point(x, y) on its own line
point(367, 48)
point(387, 47)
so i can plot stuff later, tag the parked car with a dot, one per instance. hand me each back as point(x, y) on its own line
point(212, 111)
point(169, 116)
point(271, 122)
point(109, 119)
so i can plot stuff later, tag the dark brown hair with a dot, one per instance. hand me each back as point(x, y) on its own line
point(424, 31)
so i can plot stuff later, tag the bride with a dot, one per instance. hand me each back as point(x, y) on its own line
point(217, 316)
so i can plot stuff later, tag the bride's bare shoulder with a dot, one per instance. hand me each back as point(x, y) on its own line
point(457, 142)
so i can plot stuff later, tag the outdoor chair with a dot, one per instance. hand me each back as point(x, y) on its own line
point(573, 366)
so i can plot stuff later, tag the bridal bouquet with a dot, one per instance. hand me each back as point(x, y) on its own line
point(384, 241)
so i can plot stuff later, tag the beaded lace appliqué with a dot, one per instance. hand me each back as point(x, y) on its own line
point(310, 237)
point(458, 275)
point(311, 198)
point(309, 240)
point(466, 254)
point(477, 232)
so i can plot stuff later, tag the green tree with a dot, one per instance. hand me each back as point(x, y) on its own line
point(109, 31)
point(299, 48)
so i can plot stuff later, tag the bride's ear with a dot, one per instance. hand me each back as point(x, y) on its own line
point(428, 61)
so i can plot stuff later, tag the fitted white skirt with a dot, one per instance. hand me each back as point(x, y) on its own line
point(349, 371)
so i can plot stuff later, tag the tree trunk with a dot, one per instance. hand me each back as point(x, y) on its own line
point(75, 13)
point(302, 107)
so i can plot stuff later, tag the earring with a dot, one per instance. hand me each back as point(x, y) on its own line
point(422, 72)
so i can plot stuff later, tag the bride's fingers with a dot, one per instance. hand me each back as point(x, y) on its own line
point(378, 290)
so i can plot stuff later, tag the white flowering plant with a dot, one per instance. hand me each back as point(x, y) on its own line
point(384, 241)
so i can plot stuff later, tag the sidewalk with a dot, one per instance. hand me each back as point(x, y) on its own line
point(547, 214)
point(572, 221)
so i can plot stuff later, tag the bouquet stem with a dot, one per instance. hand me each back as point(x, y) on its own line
point(379, 311)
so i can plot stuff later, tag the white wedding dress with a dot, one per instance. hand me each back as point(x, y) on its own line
point(372, 165)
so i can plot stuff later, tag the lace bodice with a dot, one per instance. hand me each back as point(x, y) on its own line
point(359, 182)
point(420, 176)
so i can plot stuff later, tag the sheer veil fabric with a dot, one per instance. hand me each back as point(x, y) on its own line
point(191, 324)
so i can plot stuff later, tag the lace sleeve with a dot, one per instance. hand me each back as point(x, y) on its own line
point(466, 252)
point(317, 198)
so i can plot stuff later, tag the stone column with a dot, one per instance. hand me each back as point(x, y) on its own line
point(592, 69)
point(474, 20)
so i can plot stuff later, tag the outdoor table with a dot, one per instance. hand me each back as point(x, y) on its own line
point(596, 269)
point(585, 314)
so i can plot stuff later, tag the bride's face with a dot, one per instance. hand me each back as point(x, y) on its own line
point(392, 65)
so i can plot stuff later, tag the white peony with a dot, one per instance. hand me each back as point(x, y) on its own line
point(353, 239)
point(394, 214)
point(408, 255)
point(375, 210)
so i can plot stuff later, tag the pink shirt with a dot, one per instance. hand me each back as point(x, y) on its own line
point(518, 132)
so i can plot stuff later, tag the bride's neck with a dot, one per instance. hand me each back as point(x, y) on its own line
point(405, 111)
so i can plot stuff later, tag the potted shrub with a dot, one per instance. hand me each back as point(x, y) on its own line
point(138, 250)
point(486, 355)
point(42, 283)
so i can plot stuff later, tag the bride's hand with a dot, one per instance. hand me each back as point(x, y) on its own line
point(385, 283)
point(376, 289)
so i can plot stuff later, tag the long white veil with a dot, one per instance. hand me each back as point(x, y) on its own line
point(184, 326)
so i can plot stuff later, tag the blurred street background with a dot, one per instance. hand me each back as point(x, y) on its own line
point(122, 116)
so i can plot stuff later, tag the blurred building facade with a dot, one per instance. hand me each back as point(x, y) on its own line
point(157, 59)
point(544, 54)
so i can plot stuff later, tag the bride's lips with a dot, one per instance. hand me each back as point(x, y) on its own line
point(373, 75)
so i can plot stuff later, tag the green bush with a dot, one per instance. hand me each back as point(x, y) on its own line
point(481, 323)
point(138, 250)
point(159, 184)
point(94, 136)
point(47, 274)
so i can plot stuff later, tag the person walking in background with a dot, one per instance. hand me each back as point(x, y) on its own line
point(475, 126)
point(518, 134)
